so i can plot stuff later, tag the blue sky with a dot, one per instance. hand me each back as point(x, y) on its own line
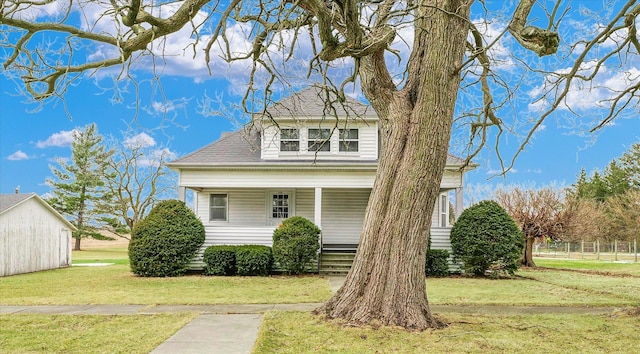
point(31, 137)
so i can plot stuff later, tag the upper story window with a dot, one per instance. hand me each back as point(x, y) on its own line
point(289, 140)
point(348, 140)
point(218, 207)
point(319, 140)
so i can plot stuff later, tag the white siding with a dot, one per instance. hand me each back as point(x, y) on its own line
point(270, 143)
point(220, 235)
point(32, 239)
point(277, 178)
point(343, 214)
point(247, 207)
point(367, 142)
point(305, 203)
point(440, 238)
point(451, 179)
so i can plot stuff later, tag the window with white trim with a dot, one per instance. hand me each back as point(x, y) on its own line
point(444, 211)
point(218, 207)
point(348, 140)
point(280, 205)
point(289, 140)
point(319, 140)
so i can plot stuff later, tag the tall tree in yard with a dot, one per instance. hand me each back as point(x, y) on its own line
point(78, 186)
point(414, 95)
point(539, 213)
point(137, 179)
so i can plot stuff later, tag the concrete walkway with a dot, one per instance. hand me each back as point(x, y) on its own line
point(233, 329)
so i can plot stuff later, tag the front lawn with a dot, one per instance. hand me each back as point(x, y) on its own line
point(116, 284)
point(296, 332)
point(87, 333)
point(591, 265)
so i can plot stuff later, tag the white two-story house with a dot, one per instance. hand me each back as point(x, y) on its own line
point(302, 161)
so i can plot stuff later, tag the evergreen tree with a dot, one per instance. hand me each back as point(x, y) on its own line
point(580, 188)
point(616, 179)
point(78, 188)
point(630, 164)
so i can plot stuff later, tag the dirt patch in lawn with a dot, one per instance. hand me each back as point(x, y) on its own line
point(116, 242)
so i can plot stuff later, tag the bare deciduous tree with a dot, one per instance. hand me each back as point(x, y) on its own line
point(137, 179)
point(415, 98)
point(623, 212)
point(539, 213)
point(586, 220)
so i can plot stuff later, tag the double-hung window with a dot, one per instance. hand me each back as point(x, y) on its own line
point(444, 210)
point(218, 207)
point(289, 140)
point(319, 140)
point(348, 140)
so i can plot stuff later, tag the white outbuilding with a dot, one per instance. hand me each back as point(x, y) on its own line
point(33, 235)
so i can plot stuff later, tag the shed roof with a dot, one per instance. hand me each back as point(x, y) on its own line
point(10, 201)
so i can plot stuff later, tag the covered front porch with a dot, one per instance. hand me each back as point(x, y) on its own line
point(236, 216)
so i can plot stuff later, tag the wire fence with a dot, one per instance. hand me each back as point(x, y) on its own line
point(599, 249)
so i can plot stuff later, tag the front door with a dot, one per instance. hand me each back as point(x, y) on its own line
point(280, 206)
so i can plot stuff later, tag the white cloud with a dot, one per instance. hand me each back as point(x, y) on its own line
point(155, 156)
point(18, 155)
point(63, 138)
point(584, 95)
point(142, 140)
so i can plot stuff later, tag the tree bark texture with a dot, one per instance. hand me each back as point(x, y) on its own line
point(387, 280)
point(527, 256)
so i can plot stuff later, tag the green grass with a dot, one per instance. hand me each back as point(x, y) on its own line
point(295, 332)
point(519, 292)
point(87, 333)
point(117, 255)
point(591, 265)
point(117, 285)
point(627, 288)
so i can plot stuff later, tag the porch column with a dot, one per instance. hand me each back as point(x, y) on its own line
point(317, 210)
point(182, 193)
point(459, 202)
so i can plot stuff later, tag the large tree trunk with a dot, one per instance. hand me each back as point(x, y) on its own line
point(527, 255)
point(387, 280)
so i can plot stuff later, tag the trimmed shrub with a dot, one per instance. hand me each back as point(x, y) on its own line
point(295, 243)
point(486, 238)
point(220, 260)
point(253, 260)
point(437, 263)
point(163, 243)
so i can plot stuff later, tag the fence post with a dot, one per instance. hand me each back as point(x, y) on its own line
point(635, 249)
point(582, 248)
point(615, 251)
point(598, 248)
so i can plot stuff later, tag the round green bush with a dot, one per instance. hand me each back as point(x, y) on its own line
point(437, 263)
point(253, 259)
point(486, 238)
point(220, 260)
point(295, 244)
point(163, 243)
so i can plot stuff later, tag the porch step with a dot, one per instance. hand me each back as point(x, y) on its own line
point(336, 263)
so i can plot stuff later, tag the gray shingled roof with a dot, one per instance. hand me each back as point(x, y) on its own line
point(235, 147)
point(311, 102)
point(8, 201)
point(243, 146)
